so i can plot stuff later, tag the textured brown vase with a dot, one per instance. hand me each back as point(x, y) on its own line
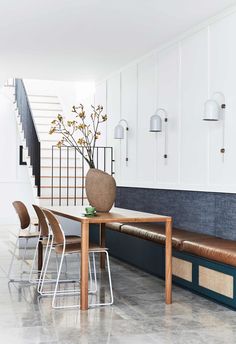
point(100, 189)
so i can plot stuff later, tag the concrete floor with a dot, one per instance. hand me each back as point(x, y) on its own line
point(138, 316)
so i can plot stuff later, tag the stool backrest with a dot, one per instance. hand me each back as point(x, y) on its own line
point(59, 236)
point(22, 213)
point(43, 225)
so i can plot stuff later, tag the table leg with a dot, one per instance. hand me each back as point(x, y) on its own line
point(168, 280)
point(84, 265)
point(102, 244)
point(40, 256)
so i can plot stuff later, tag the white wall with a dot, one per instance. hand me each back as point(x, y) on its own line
point(14, 179)
point(180, 77)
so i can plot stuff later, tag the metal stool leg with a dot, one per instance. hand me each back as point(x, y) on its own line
point(12, 259)
point(110, 284)
point(57, 282)
point(44, 270)
point(95, 273)
point(21, 265)
point(24, 255)
point(109, 276)
point(33, 263)
point(44, 263)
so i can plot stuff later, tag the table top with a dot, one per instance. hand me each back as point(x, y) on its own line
point(115, 215)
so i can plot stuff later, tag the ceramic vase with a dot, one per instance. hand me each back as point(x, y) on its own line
point(100, 189)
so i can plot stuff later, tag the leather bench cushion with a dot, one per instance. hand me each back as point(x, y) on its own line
point(156, 232)
point(115, 226)
point(203, 245)
point(220, 250)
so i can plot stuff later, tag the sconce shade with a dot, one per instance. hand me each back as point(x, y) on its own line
point(119, 132)
point(211, 110)
point(155, 123)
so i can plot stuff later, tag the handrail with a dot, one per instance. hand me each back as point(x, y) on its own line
point(69, 169)
point(30, 133)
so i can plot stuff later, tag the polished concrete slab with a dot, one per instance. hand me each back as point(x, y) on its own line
point(139, 314)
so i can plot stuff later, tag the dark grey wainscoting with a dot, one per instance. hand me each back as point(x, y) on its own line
point(204, 212)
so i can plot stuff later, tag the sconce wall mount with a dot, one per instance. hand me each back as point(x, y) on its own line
point(214, 110)
point(156, 125)
point(119, 133)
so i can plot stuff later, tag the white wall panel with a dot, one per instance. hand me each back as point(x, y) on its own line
point(146, 141)
point(168, 98)
point(129, 112)
point(8, 170)
point(223, 79)
point(194, 83)
point(100, 99)
point(14, 179)
point(113, 111)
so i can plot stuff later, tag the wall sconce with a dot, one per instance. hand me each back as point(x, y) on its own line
point(214, 107)
point(119, 133)
point(156, 125)
point(214, 110)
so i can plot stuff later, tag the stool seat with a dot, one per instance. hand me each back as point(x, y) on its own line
point(24, 233)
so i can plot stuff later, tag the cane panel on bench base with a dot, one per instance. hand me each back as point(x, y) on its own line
point(216, 281)
point(182, 269)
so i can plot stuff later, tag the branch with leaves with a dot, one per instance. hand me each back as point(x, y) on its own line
point(78, 133)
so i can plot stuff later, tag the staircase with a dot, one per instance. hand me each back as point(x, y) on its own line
point(44, 109)
point(60, 177)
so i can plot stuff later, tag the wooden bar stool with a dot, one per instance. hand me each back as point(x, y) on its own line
point(26, 233)
point(45, 239)
point(62, 248)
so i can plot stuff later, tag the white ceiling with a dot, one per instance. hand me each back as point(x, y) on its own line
point(88, 39)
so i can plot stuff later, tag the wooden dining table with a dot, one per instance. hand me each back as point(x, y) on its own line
point(115, 215)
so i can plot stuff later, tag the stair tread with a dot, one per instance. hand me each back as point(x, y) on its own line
point(49, 197)
point(42, 102)
point(48, 140)
point(62, 187)
point(50, 148)
point(42, 95)
point(54, 110)
point(46, 148)
point(43, 132)
point(62, 167)
point(50, 117)
point(62, 176)
point(44, 116)
point(55, 157)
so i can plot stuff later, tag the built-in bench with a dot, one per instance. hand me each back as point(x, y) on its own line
point(201, 262)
